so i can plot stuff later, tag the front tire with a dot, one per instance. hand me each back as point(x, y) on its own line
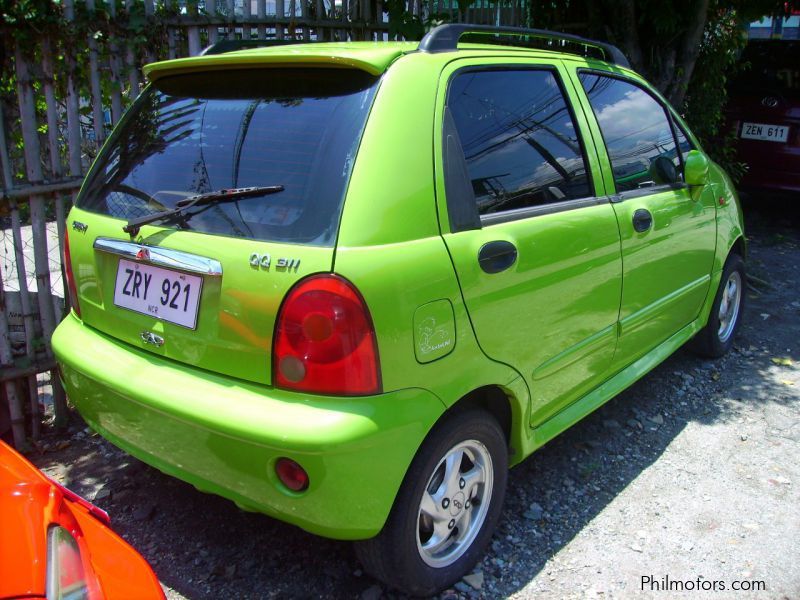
point(446, 510)
point(716, 338)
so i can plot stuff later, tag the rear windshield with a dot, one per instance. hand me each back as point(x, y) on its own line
point(770, 66)
point(204, 132)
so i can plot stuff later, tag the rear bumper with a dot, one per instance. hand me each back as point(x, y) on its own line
point(771, 166)
point(760, 178)
point(224, 435)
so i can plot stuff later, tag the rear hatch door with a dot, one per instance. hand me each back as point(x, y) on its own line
point(764, 106)
point(204, 287)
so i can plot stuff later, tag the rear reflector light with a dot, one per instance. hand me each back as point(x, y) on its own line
point(291, 474)
point(324, 340)
point(73, 290)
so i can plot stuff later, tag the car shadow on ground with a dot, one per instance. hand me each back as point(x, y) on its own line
point(202, 546)
point(558, 491)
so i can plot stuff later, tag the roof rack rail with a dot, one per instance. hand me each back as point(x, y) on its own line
point(224, 46)
point(445, 37)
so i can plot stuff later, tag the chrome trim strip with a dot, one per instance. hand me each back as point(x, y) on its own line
point(161, 257)
point(527, 212)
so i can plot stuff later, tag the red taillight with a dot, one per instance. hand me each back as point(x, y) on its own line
point(324, 340)
point(73, 290)
point(291, 474)
point(66, 575)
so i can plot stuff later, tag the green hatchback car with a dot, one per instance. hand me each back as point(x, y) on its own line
point(350, 285)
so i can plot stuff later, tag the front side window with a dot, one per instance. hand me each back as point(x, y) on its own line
point(635, 129)
point(520, 143)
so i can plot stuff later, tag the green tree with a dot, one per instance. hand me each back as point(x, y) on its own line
point(663, 40)
point(685, 48)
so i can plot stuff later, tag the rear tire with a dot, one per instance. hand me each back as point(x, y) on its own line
point(716, 338)
point(446, 510)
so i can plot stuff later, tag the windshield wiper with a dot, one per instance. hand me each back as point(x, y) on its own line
point(181, 206)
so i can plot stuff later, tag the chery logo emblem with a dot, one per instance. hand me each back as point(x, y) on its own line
point(148, 337)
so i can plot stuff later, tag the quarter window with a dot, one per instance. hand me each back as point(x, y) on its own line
point(635, 129)
point(519, 140)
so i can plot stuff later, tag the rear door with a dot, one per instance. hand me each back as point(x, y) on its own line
point(534, 243)
point(668, 230)
point(204, 289)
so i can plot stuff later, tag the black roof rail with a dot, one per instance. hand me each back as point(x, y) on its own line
point(223, 46)
point(445, 38)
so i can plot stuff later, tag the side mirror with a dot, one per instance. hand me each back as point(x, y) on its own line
point(662, 171)
point(696, 169)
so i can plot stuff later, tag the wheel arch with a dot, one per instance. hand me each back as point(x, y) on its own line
point(508, 404)
point(739, 247)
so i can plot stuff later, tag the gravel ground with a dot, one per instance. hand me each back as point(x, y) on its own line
point(693, 474)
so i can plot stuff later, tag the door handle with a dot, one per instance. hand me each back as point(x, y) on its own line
point(642, 220)
point(497, 256)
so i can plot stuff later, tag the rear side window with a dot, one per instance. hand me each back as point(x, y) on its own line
point(519, 140)
point(198, 133)
point(635, 129)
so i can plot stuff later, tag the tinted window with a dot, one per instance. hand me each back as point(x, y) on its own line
point(520, 144)
point(198, 133)
point(635, 129)
point(769, 67)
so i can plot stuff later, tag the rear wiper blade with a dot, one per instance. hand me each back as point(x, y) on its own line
point(228, 194)
point(181, 206)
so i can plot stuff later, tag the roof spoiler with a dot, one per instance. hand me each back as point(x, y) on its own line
point(225, 46)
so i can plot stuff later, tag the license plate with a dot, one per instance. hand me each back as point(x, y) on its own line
point(161, 293)
point(761, 131)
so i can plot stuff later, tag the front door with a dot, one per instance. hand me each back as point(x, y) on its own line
point(535, 247)
point(668, 230)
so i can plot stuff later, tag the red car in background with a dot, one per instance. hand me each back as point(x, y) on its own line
point(764, 107)
point(57, 545)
